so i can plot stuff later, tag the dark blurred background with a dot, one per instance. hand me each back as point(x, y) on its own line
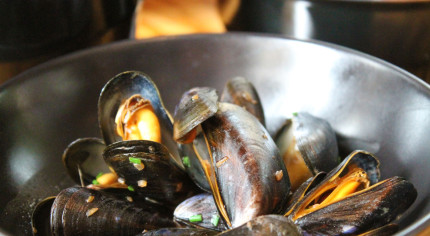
point(35, 31)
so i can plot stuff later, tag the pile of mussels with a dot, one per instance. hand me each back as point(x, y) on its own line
point(213, 169)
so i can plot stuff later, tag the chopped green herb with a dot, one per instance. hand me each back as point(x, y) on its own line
point(99, 175)
point(196, 218)
point(295, 114)
point(134, 160)
point(130, 188)
point(215, 220)
point(186, 161)
point(95, 182)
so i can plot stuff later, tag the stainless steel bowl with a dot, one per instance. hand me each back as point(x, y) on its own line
point(371, 104)
point(395, 30)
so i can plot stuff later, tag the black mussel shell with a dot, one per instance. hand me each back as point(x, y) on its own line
point(195, 106)
point(367, 208)
point(58, 206)
point(40, 217)
point(267, 225)
point(310, 141)
point(200, 205)
point(83, 211)
point(370, 209)
point(148, 169)
point(179, 232)
point(122, 87)
point(191, 156)
point(313, 185)
point(241, 92)
point(83, 160)
point(246, 173)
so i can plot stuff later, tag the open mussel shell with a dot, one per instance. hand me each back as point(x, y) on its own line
point(202, 205)
point(371, 205)
point(304, 188)
point(246, 172)
point(179, 232)
point(379, 205)
point(308, 145)
point(268, 225)
point(148, 169)
point(195, 106)
point(122, 87)
point(241, 92)
point(83, 211)
point(84, 161)
point(40, 218)
point(314, 185)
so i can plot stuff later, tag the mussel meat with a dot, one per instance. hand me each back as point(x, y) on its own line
point(350, 200)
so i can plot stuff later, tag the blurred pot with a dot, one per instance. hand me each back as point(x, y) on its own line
point(395, 30)
point(35, 31)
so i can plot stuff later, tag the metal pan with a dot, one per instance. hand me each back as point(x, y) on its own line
point(371, 104)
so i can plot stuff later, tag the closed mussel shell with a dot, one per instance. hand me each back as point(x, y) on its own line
point(268, 225)
point(200, 211)
point(86, 211)
point(308, 145)
point(251, 179)
point(241, 92)
point(148, 169)
point(57, 209)
point(118, 90)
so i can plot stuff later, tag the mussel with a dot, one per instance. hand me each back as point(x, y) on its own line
point(240, 161)
point(200, 211)
point(147, 168)
point(196, 106)
point(178, 232)
point(251, 179)
point(308, 145)
point(241, 92)
point(131, 102)
point(137, 127)
point(350, 200)
point(268, 225)
point(40, 217)
point(83, 211)
point(129, 108)
point(84, 163)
